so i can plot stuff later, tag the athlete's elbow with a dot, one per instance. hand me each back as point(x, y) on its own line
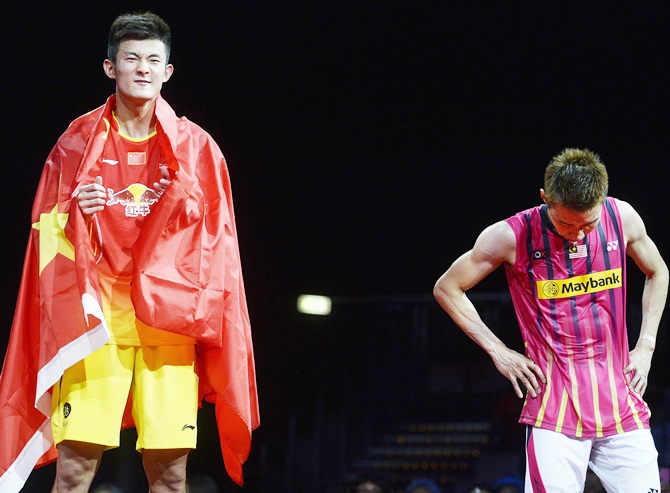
point(439, 289)
point(660, 274)
point(438, 292)
point(444, 290)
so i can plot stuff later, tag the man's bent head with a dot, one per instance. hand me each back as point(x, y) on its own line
point(576, 179)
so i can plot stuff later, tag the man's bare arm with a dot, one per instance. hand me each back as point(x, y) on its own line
point(646, 256)
point(495, 245)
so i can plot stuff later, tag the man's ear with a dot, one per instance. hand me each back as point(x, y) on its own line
point(108, 67)
point(543, 196)
point(169, 70)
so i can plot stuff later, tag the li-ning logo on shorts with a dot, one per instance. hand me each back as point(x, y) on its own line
point(67, 409)
point(589, 283)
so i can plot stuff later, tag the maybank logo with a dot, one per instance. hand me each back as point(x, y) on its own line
point(589, 283)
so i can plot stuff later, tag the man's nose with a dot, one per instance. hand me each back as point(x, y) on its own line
point(142, 66)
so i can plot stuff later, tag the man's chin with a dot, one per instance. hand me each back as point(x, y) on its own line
point(138, 99)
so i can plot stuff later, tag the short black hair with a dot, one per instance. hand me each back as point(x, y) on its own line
point(138, 25)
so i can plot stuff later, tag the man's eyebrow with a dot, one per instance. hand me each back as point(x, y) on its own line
point(592, 221)
point(566, 223)
point(133, 53)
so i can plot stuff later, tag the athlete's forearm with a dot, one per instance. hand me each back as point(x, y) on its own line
point(653, 303)
point(458, 306)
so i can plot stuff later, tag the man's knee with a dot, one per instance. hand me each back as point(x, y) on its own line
point(165, 469)
point(76, 466)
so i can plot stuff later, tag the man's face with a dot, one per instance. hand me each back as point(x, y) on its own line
point(140, 69)
point(571, 225)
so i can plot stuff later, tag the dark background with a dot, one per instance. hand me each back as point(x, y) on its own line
point(368, 142)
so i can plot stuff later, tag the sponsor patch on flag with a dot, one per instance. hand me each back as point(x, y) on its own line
point(577, 251)
point(137, 158)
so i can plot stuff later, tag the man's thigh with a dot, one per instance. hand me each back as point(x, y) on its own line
point(165, 397)
point(90, 398)
point(627, 462)
point(555, 463)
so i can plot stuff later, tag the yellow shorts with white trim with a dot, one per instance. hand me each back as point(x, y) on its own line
point(90, 399)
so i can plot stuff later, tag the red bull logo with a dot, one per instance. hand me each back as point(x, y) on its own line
point(136, 198)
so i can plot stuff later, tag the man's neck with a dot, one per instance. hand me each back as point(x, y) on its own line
point(135, 120)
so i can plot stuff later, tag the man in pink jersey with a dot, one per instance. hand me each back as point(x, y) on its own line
point(132, 307)
point(566, 268)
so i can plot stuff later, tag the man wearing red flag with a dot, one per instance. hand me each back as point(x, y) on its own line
point(131, 309)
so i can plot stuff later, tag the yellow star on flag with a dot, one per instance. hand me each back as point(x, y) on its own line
point(52, 237)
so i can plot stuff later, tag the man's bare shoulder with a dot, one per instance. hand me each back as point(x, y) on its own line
point(626, 210)
point(497, 241)
point(632, 223)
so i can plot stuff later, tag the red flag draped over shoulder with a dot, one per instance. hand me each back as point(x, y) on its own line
point(187, 280)
point(58, 319)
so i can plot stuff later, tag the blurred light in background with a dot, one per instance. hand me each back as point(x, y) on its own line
point(314, 304)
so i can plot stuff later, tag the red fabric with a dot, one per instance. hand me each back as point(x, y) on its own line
point(187, 279)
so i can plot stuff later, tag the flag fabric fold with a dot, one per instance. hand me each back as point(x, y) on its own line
point(187, 279)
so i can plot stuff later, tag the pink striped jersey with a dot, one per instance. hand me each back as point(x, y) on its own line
point(570, 301)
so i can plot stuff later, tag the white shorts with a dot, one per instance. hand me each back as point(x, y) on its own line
point(625, 463)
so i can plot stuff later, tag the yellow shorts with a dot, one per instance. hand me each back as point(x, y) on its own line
point(90, 399)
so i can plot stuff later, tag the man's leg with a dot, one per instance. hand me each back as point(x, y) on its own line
point(87, 406)
point(76, 466)
point(627, 462)
point(555, 463)
point(165, 380)
point(165, 469)
point(165, 410)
